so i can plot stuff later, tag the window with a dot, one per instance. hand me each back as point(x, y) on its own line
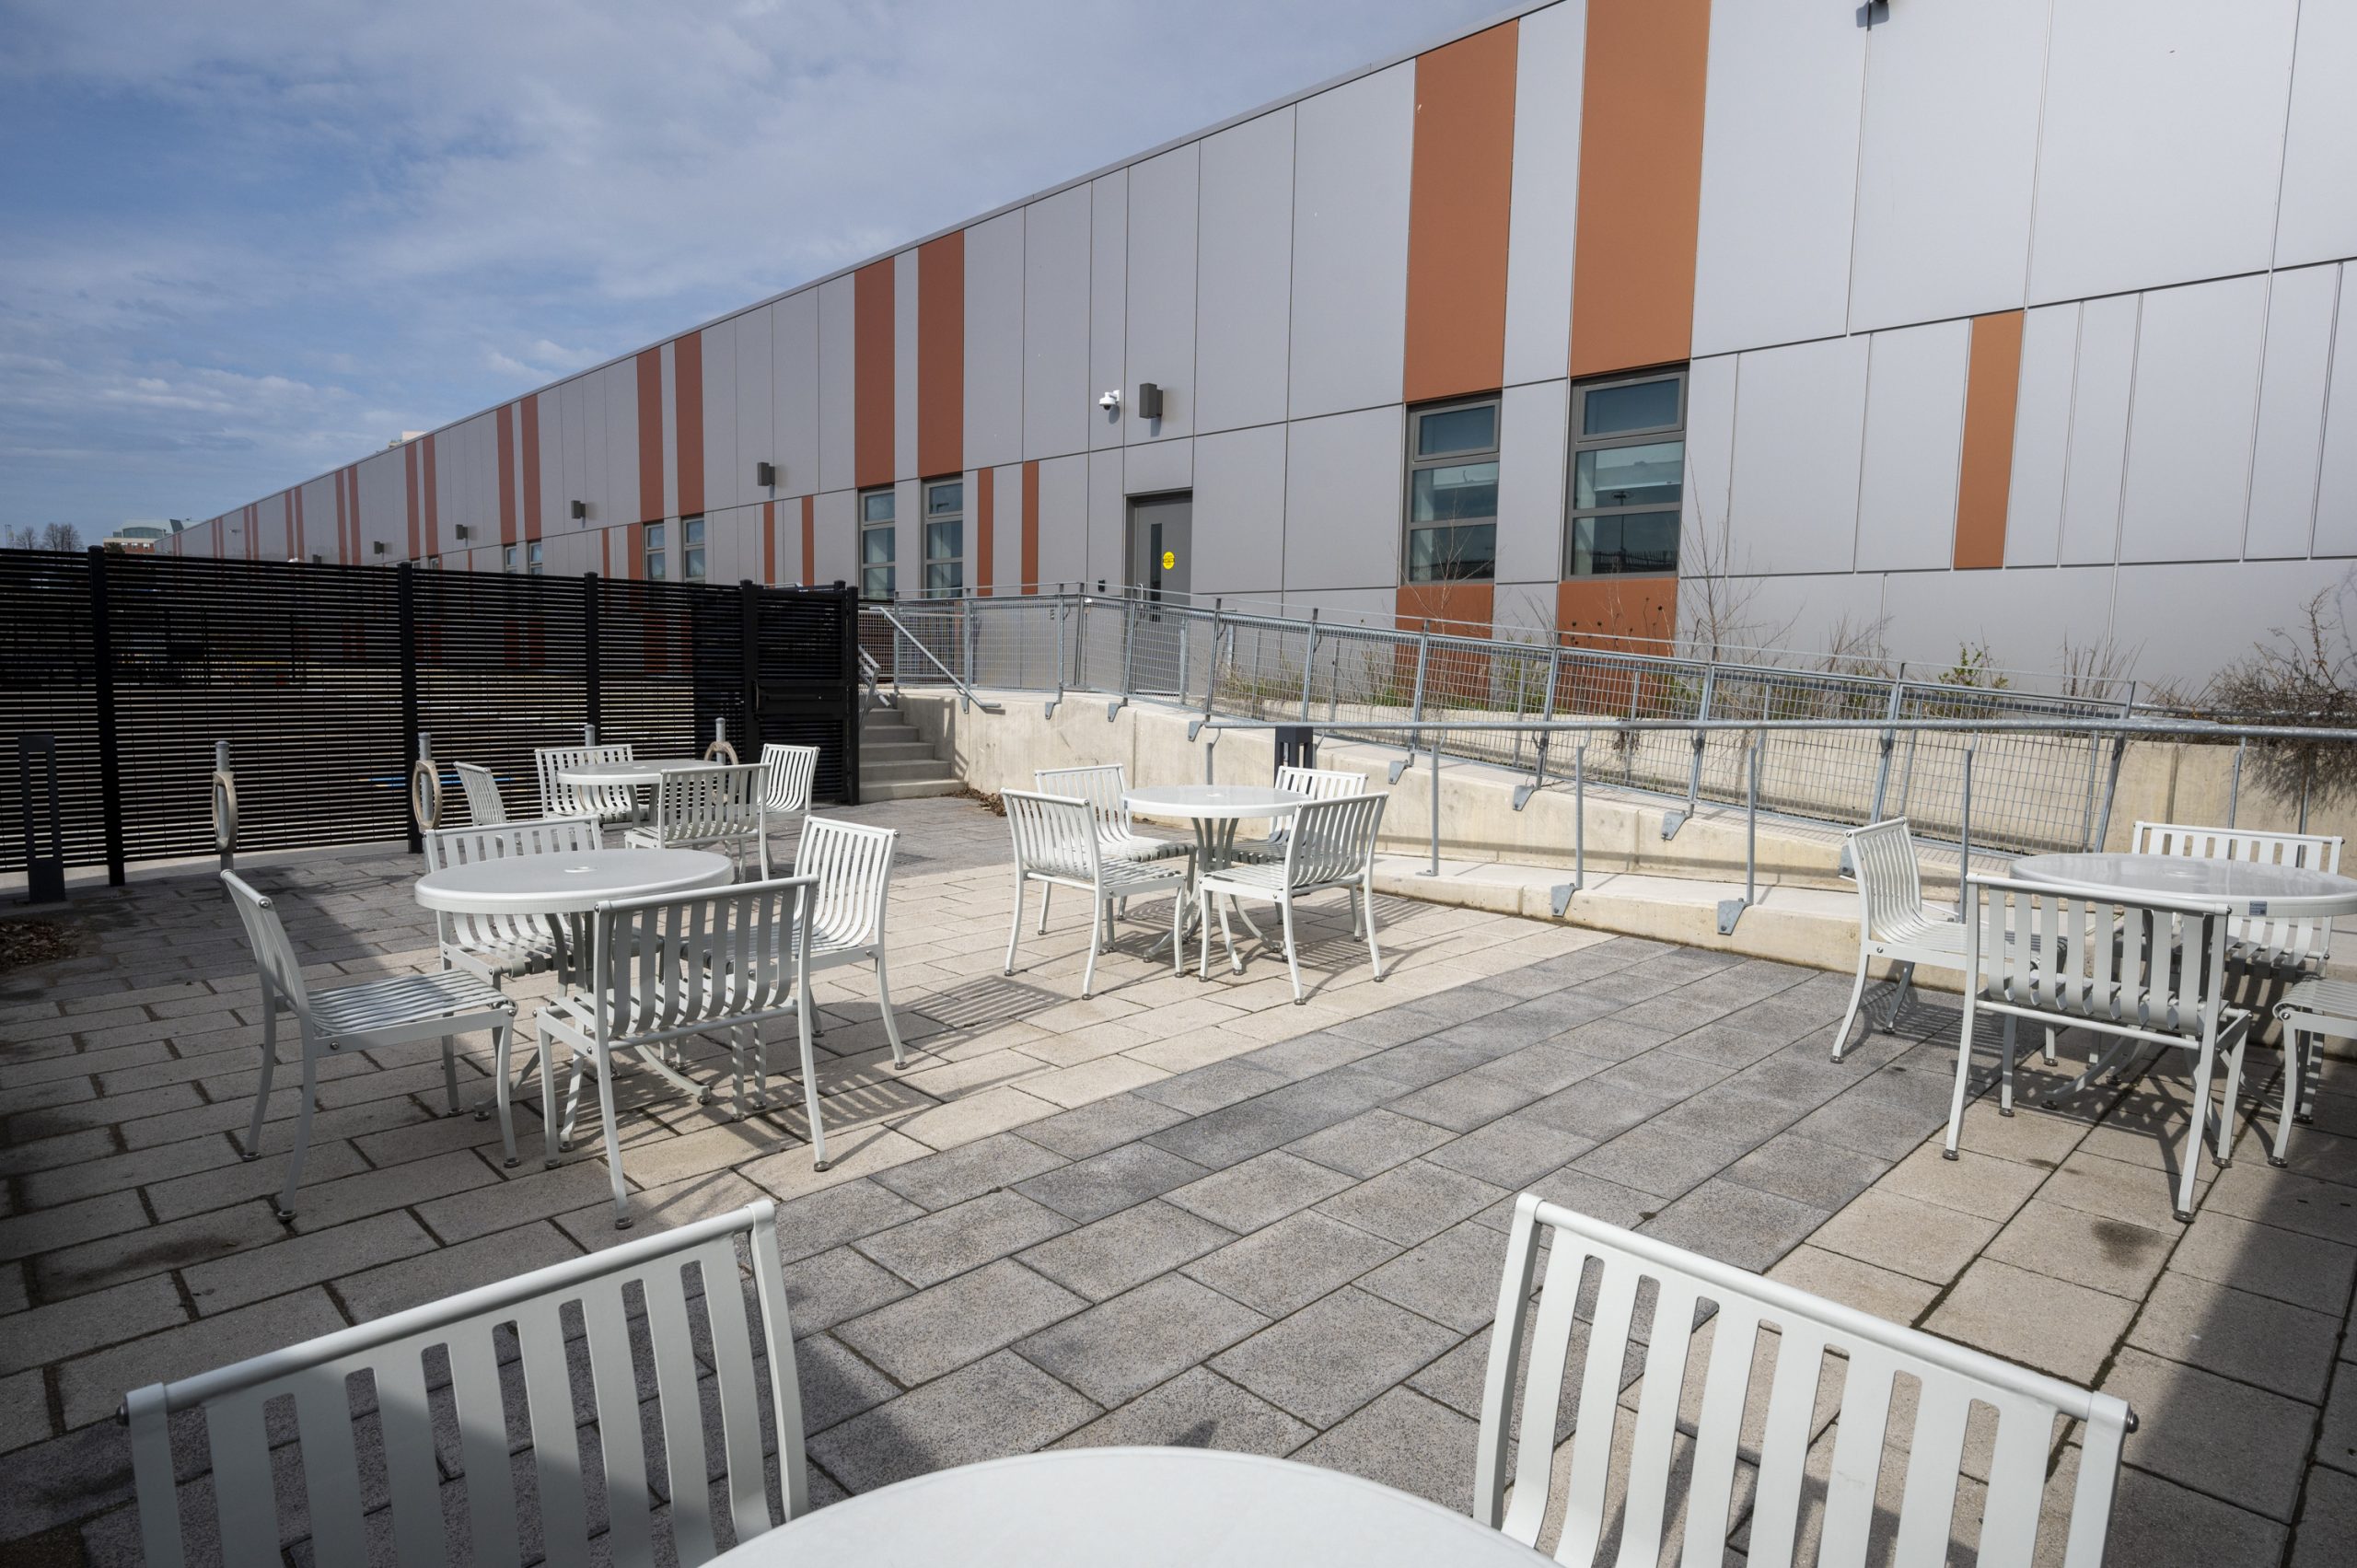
point(1453, 491)
point(1628, 475)
point(507, 558)
point(532, 559)
point(945, 538)
point(657, 559)
point(876, 545)
point(691, 549)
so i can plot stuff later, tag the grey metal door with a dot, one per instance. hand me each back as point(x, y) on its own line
point(1161, 567)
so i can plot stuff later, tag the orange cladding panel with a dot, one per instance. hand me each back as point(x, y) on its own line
point(506, 426)
point(1458, 196)
point(985, 501)
point(687, 392)
point(532, 468)
point(941, 356)
point(809, 540)
point(650, 436)
point(871, 314)
point(1640, 184)
point(1031, 527)
point(1635, 615)
point(1986, 476)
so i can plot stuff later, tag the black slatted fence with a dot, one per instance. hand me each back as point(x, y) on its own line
point(322, 677)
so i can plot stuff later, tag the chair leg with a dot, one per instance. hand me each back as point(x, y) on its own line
point(1203, 927)
point(1963, 1078)
point(503, 1039)
point(1292, 960)
point(545, 1044)
point(1178, 932)
point(1366, 903)
point(450, 1070)
point(269, 1063)
point(2197, 1123)
point(2226, 1111)
point(1095, 940)
point(1227, 934)
point(302, 1132)
point(1047, 892)
point(613, 1130)
point(2052, 1036)
point(1857, 998)
point(2005, 1077)
point(1016, 930)
point(810, 1083)
point(884, 1005)
point(2295, 1050)
point(1899, 997)
point(736, 1074)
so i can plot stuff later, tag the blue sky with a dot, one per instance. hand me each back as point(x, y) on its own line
point(244, 240)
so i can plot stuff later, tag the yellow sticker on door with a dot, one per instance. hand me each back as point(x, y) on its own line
point(1169, 560)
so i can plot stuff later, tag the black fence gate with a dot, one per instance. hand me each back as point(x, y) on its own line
point(322, 677)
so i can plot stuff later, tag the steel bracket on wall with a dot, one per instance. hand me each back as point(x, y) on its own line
point(1562, 896)
point(1400, 766)
point(1670, 822)
point(1522, 794)
point(1731, 911)
point(1048, 709)
point(1113, 708)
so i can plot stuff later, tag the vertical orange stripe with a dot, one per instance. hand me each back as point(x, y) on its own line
point(635, 567)
point(1031, 527)
point(1985, 478)
point(409, 455)
point(606, 549)
point(286, 509)
point(432, 490)
point(809, 540)
point(1458, 196)
point(986, 486)
point(769, 542)
point(941, 356)
point(302, 540)
point(1463, 609)
point(532, 469)
point(686, 392)
point(506, 432)
point(650, 434)
point(1640, 184)
point(342, 521)
point(1635, 615)
point(871, 313)
point(352, 492)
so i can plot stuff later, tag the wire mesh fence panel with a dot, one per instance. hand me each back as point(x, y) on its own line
point(2029, 791)
point(1014, 644)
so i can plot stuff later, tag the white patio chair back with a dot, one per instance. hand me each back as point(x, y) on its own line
point(1318, 784)
point(706, 807)
point(1894, 923)
point(1058, 842)
point(610, 803)
point(2293, 941)
point(485, 807)
point(1331, 841)
point(1948, 1380)
point(393, 1353)
point(852, 864)
point(787, 772)
point(282, 972)
point(1101, 786)
point(1055, 835)
point(493, 944)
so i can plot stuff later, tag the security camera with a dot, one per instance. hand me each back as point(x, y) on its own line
point(1111, 402)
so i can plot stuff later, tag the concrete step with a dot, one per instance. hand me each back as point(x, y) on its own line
point(872, 731)
point(908, 767)
point(873, 750)
point(906, 789)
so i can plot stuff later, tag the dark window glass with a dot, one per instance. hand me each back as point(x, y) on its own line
point(1628, 477)
point(1452, 494)
point(1630, 405)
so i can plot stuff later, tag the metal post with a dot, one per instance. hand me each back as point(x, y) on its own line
point(405, 589)
point(44, 874)
point(1211, 671)
point(2307, 777)
point(1308, 664)
point(1563, 890)
point(1057, 610)
point(1129, 656)
point(109, 759)
point(2111, 788)
point(1186, 665)
point(1211, 748)
point(1673, 820)
point(1730, 909)
point(1416, 703)
point(2234, 788)
point(1963, 832)
point(854, 717)
point(591, 692)
point(1435, 870)
point(1881, 769)
point(225, 806)
point(748, 637)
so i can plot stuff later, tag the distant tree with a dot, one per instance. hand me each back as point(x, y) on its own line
point(2306, 675)
point(16, 538)
point(52, 536)
point(61, 536)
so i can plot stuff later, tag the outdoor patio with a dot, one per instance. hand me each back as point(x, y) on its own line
point(1179, 1213)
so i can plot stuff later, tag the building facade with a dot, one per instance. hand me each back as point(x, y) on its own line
point(2008, 324)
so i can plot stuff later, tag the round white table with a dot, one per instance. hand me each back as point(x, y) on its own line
point(2246, 886)
point(628, 776)
point(1134, 1509)
point(1215, 811)
point(569, 884)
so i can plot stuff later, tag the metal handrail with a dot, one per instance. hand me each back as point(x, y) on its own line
point(951, 676)
point(870, 676)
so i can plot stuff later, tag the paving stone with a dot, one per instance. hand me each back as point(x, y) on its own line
point(92, 1387)
point(1906, 1235)
point(1307, 1055)
point(299, 1260)
point(2337, 1439)
point(942, 1180)
point(96, 1265)
point(2303, 1269)
point(1735, 1224)
point(446, 1271)
point(1370, 1143)
point(920, 1337)
point(1849, 1121)
point(1261, 1191)
point(1209, 1088)
point(1407, 1441)
point(45, 1230)
point(2089, 1250)
point(1117, 1350)
point(1412, 1203)
point(1334, 1355)
point(1893, 1298)
point(2228, 1439)
point(2251, 1189)
point(1103, 1184)
point(1111, 1255)
point(1574, 1189)
point(2056, 1326)
point(1821, 1175)
point(2116, 1190)
point(2326, 1533)
point(24, 1409)
point(1594, 1110)
point(1665, 1161)
point(998, 1406)
point(64, 1184)
point(836, 1214)
point(1511, 1151)
point(1451, 1279)
point(2237, 1334)
point(1291, 1263)
point(1464, 1102)
point(829, 1287)
point(927, 1251)
point(835, 1384)
point(1198, 1409)
point(1976, 1183)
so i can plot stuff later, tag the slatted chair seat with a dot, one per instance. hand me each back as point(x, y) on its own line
point(1318, 784)
point(789, 775)
point(403, 1476)
point(1057, 844)
point(398, 1001)
point(1673, 1461)
point(1328, 844)
point(2312, 1008)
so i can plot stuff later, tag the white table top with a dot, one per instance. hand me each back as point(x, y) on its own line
point(2249, 886)
point(1136, 1508)
point(569, 884)
point(609, 776)
point(1214, 801)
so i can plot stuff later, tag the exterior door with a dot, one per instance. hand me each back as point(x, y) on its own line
point(1161, 567)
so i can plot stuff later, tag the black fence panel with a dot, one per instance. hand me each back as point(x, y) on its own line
point(320, 678)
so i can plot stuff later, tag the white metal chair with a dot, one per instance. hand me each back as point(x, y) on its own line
point(1948, 1381)
point(1894, 923)
point(1318, 784)
point(1102, 787)
point(788, 773)
point(852, 864)
point(485, 807)
point(391, 1350)
point(2148, 971)
point(1057, 845)
point(356, 1018)
point(2310, 1008)
point(2300, 943)
point(715, 807)
point(495, 946)
point(1331, 843)
point(667, 967)
point(609, 804)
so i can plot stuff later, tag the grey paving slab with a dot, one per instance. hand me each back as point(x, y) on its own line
point(1091, 1129)
point(2337, 1439)
point(920, 1337)
point(1109, 1256)
point(1292, 1262)
point(828, 1287)
point(1735, 1224)
point(1405, 1440)
point(2305, 1270)
point(2326, 1533)
point(1198, 1409)
point(2237, 1334)
point(1370, 1143)
point(2051, 1324)
point(1119, 1349)
point(942, 1180)
point(2240, 1443)
point(1665, 1162)
point(998, 1406)
point(1451, 1279)
point(835, 1384)
point(1824, 1176)
point(1103, 1184)
point(1333, 1356)
point(927, 1251)
point(1511, 1151)
point(836, 1214)
point(1410, 1203)
point(1260, 1192)
point(2090, 1250)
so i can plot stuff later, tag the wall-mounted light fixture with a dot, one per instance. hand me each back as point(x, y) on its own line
point(317, 559)
point(580, 510)
point(378, 546)
point(463, 531)
point(765, 475)
point(1149, 400)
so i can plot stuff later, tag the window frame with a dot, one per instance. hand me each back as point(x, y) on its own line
point(888, 526)
point(691, 549)
point(654, 552)
point(1575, 444)
point(928, 563)
point(532, 559)
point(1412, 464)
point(507, 558)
